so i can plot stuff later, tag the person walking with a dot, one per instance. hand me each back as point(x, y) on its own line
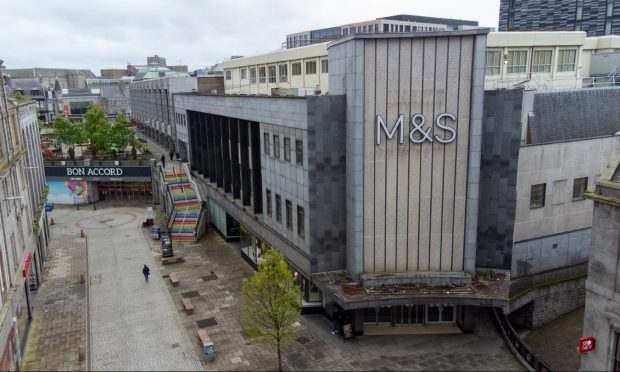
point(146, 271)
point(163, 161)
point(171, 154)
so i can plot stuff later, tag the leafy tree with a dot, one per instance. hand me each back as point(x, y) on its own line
point(68, 132)
point(121, 136)
point(271, 304)
point(97, 129)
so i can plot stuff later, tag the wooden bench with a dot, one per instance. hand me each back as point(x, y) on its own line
point(174, 279)
point(188, 306)
point(172, 260)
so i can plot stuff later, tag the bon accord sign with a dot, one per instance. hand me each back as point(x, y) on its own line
point(419, 132)
point(97, 173)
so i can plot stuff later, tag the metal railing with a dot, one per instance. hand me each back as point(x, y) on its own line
point(185, 199)
point(524, 353)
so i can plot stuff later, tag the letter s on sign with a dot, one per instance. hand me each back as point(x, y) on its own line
point(445, 127)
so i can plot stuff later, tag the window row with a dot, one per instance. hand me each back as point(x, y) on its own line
point(301, 225)
point(516, 61)
point(538, 192)
point(374, 28)
point(299, 148)
point(180, 119)
point(279, 73)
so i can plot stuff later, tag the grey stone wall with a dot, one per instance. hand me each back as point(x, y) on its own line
point(326, 182)
point(575, 114)
point(501, 137)
point(550, 303)
point(558, 15)
point(602, 313)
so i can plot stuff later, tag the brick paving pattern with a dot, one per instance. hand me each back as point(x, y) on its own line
point(215, 269)
point(58, 326)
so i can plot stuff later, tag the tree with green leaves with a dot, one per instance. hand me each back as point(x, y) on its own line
point(68, 132)
point(97, 128)
point(20, 97)
point(271, 304)
point(121, 136)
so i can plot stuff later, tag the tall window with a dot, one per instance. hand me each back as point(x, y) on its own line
point(517, 62)
point(262, 75)
point(609, 16)
point(228, 75)
point(537, 196)
point(289, 215)
point(566, 60)
point(287, 149)
point(253, 75)
point(579, 187)
point(278, 208)
point(310, 67)
point(324, 66)
point(266, 142)
point(299, 152)
point(268, 198)
point(301, 225)
point(296, 68)
point(276, 146)
point(494, 62)
point(283, 73)
point(244, 73)
point(272, 74)
point(541, 61)
point(578, 15)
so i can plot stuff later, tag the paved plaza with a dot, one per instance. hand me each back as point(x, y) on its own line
point(140, 326)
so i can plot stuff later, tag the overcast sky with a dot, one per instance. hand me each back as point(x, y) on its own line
point(98, 34)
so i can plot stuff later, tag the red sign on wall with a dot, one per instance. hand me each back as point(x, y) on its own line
point(27, 265)
point(586, 344)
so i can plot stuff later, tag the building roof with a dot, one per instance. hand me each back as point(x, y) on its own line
point(560, 116)
point(155, 72)
point(422, 19)
point(80, 92)
point(113, 92)
point(19, 73)
point(26, 84)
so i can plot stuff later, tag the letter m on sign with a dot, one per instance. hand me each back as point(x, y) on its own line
point(390, 133)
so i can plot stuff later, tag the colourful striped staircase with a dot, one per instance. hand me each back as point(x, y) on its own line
point(187, 207)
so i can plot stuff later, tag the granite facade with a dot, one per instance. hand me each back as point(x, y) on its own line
point(501, 138)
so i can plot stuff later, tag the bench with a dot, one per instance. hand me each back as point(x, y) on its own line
point(172, 260)
point(188, 306)
point(174, 279)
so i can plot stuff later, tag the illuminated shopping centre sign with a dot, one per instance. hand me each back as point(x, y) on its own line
point(418, 133)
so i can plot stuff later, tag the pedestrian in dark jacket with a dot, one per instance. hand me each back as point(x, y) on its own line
point(163, 161)
point(171, 154)
point(146, 271)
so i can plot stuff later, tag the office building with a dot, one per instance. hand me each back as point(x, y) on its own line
point(595, 17)
point(393, 24)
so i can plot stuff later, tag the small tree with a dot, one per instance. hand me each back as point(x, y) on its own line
point(121, 136)
point(271, 304)
point(97, 129)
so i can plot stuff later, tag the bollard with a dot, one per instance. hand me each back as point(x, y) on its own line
point(82, 278)
point(52, 221)
point(81, 233)
point(81, 354)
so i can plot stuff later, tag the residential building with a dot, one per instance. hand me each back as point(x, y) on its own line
point(491, 205)
point(156, 60)
point(602, 317)
point(20, 254)
point(595, 17)
point(397, 23)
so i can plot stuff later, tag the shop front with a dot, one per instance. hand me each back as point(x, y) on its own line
point(77, 183)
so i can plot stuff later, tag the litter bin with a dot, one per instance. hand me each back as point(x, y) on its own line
point(166, 247)
point(155, 232)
